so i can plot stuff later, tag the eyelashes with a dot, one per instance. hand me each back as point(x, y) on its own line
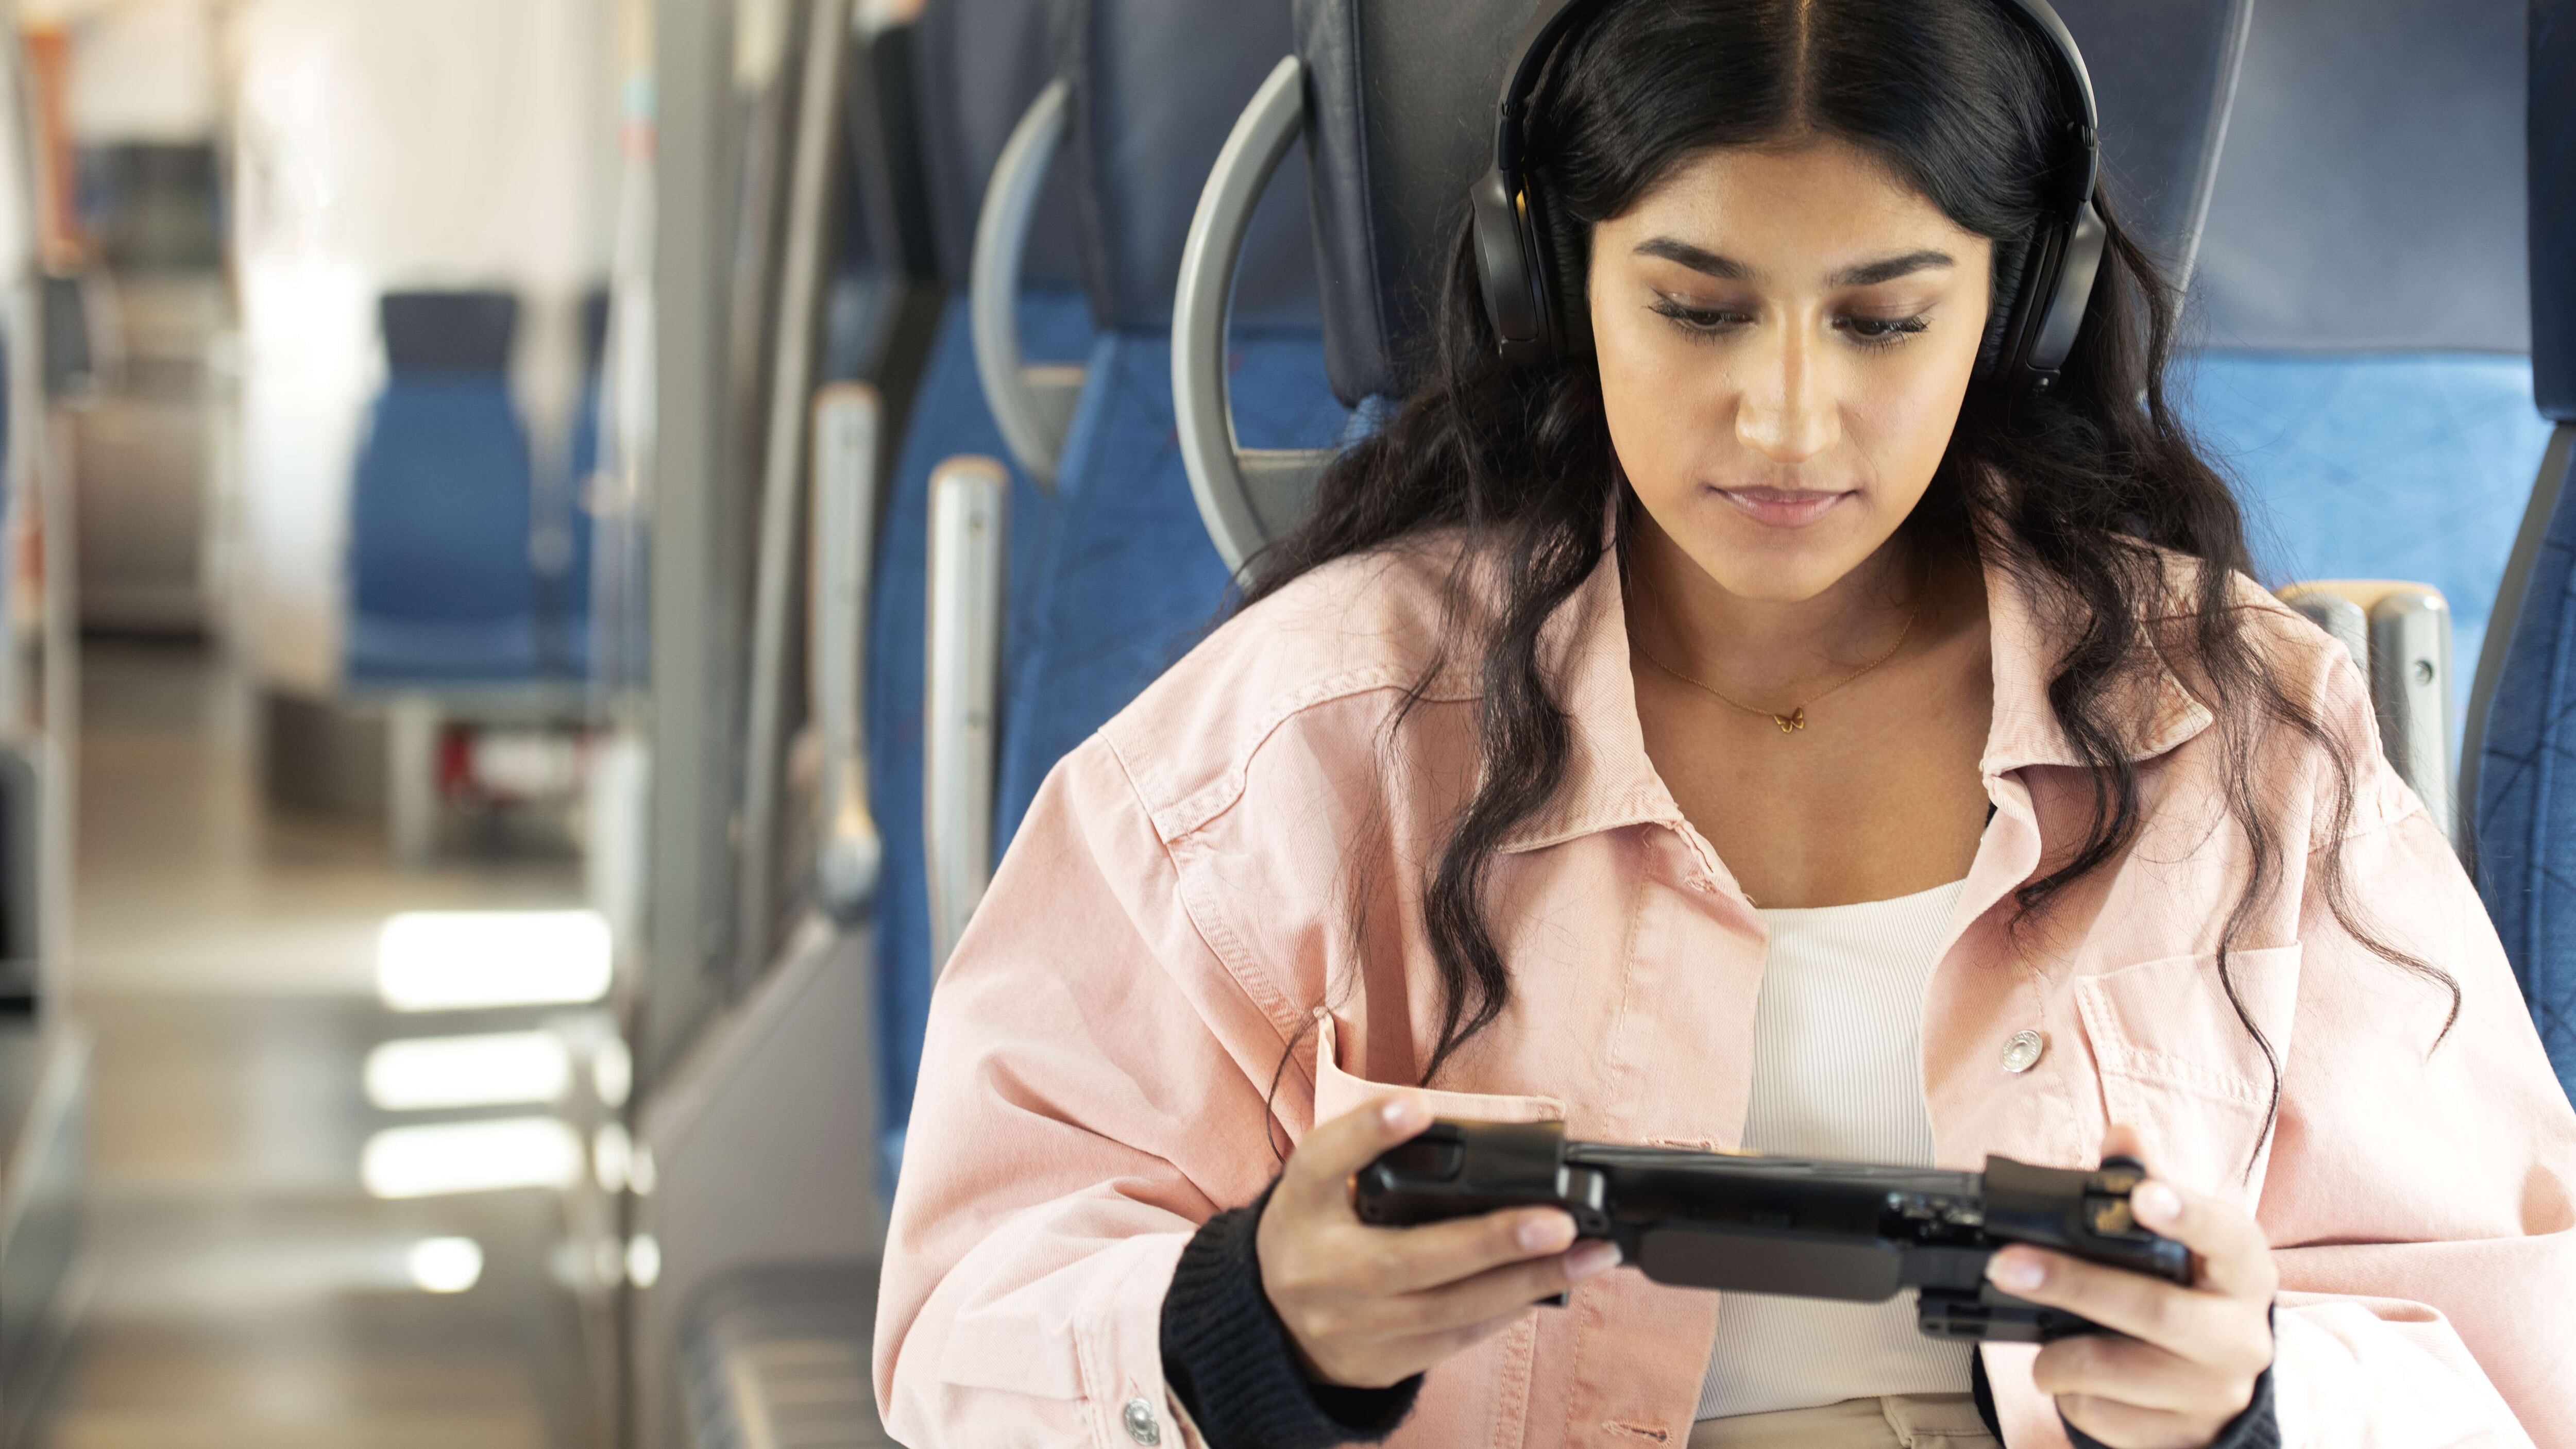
point(1700, 322)
point(1884, 331)
point(1707, 324)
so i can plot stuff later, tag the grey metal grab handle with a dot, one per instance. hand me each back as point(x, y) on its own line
point(2400, 635)
point(970, 500)
point(849, 426)
point(817, 160)
point(1033, 404)
point(1246, 497)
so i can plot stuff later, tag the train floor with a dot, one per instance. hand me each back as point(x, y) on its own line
point(238, 1288)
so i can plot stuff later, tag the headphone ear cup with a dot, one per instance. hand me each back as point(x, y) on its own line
point(2065, 294)
point(1504, 268)
point(1563, 288)
point(2011, 299)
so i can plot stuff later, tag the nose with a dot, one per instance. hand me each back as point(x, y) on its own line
point(1786, 413)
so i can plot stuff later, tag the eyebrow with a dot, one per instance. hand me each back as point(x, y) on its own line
point(1698, 259)
point(1868, 274)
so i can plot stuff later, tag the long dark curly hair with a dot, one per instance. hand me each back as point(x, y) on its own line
point(2073, 489)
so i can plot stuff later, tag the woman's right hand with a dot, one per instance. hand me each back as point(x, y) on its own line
point(1369, 1307)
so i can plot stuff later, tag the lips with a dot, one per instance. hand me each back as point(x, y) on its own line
point(1782, 507)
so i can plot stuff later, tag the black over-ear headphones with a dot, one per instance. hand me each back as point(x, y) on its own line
point(1517, 250)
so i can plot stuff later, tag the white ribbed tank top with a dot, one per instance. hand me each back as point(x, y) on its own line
point(1837, 1073)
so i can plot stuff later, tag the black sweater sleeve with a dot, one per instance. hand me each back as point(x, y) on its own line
point(1228, 1360)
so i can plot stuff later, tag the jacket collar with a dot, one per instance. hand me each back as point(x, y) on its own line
point(1610, 782)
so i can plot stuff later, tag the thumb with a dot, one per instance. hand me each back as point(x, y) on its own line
point(2122, 1140)
point(1319, 1171)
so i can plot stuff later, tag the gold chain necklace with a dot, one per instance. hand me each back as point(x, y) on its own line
point(1796, 719)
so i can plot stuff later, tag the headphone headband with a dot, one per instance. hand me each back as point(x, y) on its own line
point(2043, 317)
point(1547, 30)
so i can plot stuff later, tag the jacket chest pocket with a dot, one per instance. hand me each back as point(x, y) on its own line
point(1338, 1092)
point(2178, 1063)
point(1480, 1397)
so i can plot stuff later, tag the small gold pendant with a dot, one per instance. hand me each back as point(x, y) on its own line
point(1792, 722)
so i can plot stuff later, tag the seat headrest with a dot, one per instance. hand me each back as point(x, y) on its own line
point(1401, 106)
point(2373, 194)
point(1157, 87)
point(451, 330)
point(885, 222)
point(2552, 181)
point(977, 65)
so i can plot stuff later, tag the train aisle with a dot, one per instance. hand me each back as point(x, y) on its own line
point(242, 1286)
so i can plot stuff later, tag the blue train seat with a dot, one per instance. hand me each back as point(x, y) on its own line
point(977, 64)
point(2520, 774)
point(2364, 372)
point(1130, 578)
point(441, 588)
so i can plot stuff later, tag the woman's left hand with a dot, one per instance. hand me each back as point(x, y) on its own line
point(2192, 1355)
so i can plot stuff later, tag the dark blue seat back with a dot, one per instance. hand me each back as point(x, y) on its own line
point(440, 584)
point(977, 65)
point(2525, 755)
point(1131, 579)
point(2361, 289)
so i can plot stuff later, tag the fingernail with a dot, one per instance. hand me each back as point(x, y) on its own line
point(2014, 1272)
point(1400, 1115)
point(1545, 1233)
point(1591, 1260)
point(2154, 1203)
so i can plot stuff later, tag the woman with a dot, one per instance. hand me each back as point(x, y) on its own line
point(1770, 723)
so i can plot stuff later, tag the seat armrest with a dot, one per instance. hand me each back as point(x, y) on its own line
point(2400, 635)
point(849, 427)
point(970, 502)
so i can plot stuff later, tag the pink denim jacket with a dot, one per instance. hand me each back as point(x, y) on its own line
point(1220, 890)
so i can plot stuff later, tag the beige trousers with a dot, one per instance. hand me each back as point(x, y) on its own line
point(1901, 1421)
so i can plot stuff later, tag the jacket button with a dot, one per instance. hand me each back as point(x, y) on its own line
point(1141, 1425)
point(2024, 1051)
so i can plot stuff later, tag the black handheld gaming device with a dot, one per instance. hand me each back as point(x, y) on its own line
point(1788, 1225)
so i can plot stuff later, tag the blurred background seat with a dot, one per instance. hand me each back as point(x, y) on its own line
point(442, 583)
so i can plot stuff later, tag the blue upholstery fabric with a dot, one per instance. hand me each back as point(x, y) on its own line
point(948, 419)
point(2526, 855)
point(1131, 579)
point(440, 586)
point(2526, 850)
point(2407, 467)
